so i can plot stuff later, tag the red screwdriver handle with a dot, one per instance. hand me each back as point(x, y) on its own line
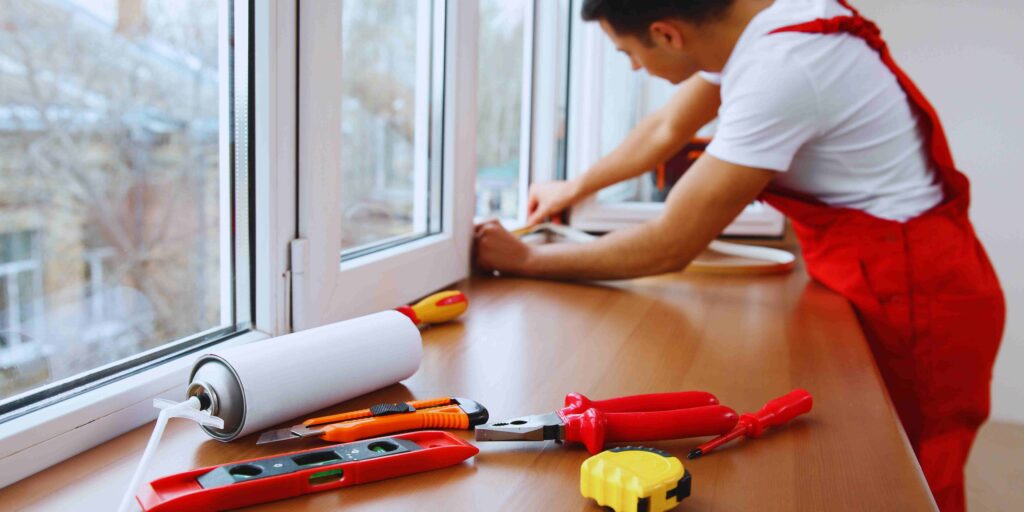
point(594, 427)
point(777, 412)
point(576, 403)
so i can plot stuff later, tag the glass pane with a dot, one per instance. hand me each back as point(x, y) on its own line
point(499, 107)
point(109, 182)
point(385, 121)
point(562, 32)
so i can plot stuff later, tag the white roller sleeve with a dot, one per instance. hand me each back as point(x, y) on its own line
point(293, 375)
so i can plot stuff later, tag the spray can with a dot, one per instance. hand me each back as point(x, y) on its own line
point(257, 385)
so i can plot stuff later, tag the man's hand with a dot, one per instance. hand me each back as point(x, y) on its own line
point(549, 199)
point(497, 249)
point(704, 201)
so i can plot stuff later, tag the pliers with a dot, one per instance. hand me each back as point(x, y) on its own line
point(383, 419)
point(633, 418)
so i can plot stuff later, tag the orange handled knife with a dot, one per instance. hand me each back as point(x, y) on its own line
point(384, 419)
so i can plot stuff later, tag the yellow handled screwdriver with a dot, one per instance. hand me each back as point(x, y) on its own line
point(436, 309)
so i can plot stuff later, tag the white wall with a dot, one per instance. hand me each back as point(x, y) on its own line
point(968, 58)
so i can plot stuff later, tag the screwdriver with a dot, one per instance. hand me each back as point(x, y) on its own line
point(438, 308)
point(777, 412)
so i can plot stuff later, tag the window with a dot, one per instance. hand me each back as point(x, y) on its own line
point(119, 190)
point(20, 284)
point(609, 100)
point(381, 221)
point(521, 102)
point(550, 90)
point(385, 124)
point(504, 65)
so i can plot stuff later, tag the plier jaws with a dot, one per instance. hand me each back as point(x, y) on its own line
point(538, 427)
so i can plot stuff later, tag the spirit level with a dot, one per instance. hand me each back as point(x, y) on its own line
point(255, 481)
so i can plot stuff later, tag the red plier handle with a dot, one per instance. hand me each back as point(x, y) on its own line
point(651, 417)
point(575, 403)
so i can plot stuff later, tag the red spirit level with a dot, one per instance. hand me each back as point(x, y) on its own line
point(255, 481)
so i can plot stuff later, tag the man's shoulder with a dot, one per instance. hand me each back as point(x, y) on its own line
point(768, 65)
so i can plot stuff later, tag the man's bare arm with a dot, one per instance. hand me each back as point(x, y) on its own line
point(658, 137)
point(700, 206)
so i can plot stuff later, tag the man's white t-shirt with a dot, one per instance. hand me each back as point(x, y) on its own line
point(825, 112)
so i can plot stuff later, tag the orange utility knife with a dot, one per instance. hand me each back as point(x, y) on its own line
point(384, 419)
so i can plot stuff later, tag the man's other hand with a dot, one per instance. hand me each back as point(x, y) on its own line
point(497, 249)
point(549, 199)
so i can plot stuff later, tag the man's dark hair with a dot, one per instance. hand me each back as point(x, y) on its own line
point(634, 17)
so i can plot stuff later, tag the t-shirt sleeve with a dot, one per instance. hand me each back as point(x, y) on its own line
point(712, 78)
point(769, 110)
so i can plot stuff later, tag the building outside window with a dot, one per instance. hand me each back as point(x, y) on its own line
point(110, 182)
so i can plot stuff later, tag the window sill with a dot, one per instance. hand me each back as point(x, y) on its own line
point(754, 221)
point(38, 440)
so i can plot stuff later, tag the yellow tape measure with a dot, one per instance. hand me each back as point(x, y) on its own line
point(635, 479)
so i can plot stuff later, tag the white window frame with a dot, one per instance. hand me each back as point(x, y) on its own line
point(526, 116)
point(324, 290)
point(526, 109)
point(549, 42)
point(42, 438)
point(589, 42)
point(541, 92)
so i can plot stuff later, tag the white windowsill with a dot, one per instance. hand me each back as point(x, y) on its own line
point(40, 439)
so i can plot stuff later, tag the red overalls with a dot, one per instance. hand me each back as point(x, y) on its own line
point(924, 290)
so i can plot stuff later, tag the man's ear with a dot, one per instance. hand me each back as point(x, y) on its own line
point(666, 32)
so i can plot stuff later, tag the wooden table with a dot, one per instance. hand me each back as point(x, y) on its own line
point(525, 344)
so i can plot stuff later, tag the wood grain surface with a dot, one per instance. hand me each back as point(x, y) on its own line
point(524, 344)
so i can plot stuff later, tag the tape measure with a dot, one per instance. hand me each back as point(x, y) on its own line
point(635, 479)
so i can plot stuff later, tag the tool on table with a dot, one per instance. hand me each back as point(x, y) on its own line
point(778, 412)
point(633, 418)
point(257, 385)
point(635, 479)
point(255, 481)
point(552, 229)
point(383, 419)
point(670, 171)
point(436, 309)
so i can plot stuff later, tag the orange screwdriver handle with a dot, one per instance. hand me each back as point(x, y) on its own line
point(777, 412)
point(451, 417)
point(438, 308)
point(365, 413)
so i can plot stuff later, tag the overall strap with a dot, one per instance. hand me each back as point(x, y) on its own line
point(928, 119)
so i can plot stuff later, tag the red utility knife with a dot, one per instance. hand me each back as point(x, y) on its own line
point(627, 419)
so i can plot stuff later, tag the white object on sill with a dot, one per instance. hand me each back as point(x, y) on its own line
point(189, 409)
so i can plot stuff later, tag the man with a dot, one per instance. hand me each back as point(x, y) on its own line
point(816, 119)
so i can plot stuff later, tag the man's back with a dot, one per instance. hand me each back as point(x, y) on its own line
point(825, 110)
